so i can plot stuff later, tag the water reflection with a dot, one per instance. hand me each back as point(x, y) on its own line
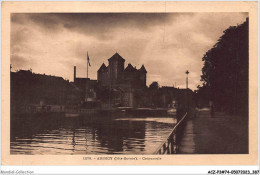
point(60, 135)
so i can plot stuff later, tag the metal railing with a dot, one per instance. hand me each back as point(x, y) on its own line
point(171, 144)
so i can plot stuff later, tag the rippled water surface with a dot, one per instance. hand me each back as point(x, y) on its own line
point(60, 135)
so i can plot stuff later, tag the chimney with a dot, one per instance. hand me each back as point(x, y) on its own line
point(74, 73)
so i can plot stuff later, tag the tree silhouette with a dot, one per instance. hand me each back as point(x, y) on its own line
point(154, 94)
point(225, 71)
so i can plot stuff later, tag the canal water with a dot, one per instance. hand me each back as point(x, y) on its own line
point(62, 136)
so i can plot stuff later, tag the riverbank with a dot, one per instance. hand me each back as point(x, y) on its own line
point(220, 134)
point(129, 112)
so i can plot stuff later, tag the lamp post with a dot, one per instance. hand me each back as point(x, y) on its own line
point(187, 72)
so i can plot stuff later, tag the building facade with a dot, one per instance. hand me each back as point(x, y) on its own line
point(125, 83)
point(86, 86)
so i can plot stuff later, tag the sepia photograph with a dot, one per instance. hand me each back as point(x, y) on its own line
point(119, 83)
point(129, 83)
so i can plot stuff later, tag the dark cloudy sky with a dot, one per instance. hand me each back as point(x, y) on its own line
point(167, 44)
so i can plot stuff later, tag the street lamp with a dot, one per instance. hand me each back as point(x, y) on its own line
point(187, 72)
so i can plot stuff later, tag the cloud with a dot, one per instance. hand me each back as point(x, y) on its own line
point(167, 44)
point(19, 60)
point(100, 25)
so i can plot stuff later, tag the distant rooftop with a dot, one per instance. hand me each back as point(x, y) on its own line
point(102, 67)
point(116, 56)
point(130, 68)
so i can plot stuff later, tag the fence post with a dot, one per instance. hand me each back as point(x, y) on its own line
point(172, 144)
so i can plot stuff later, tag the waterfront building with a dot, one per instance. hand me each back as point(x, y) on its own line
point(86, 86)
point(125, 83)
point(31, 92)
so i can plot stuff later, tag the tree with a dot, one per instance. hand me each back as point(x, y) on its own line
point(225, 70)
point(154, 93)
point(154, 85)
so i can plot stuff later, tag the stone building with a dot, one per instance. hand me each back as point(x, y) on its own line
point(86, 86)
point(32, 92)
point(169, 96)
point(125, 83)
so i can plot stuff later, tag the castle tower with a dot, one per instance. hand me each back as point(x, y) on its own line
point(116, 67)
point(102, 75)
point(142, 73)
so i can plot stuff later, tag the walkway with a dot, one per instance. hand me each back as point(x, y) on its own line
point(222, 134)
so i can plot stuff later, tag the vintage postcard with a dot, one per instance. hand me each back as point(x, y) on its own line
point(129, 83)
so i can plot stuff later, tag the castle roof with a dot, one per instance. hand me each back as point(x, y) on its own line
point(130, 68)
point(142, 69)
point(117, 57)
point(102, 67)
